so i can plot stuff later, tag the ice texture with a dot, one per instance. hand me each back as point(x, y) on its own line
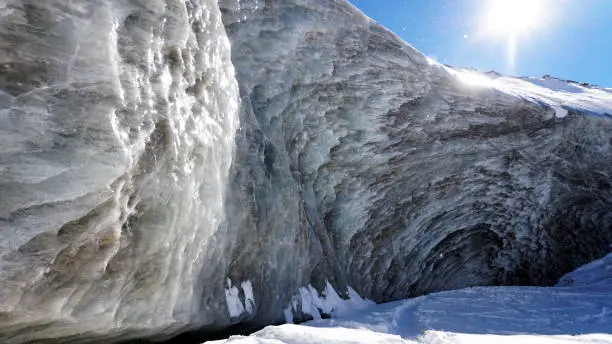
point(116, 138)
point(376, 168)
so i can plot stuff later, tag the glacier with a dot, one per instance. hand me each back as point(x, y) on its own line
point(172, 166)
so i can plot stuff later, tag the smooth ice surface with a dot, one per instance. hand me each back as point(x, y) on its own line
point(579, 311)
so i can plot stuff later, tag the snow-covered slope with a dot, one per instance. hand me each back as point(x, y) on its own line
point(592, 274)
point(561, 95)
point(578, 313)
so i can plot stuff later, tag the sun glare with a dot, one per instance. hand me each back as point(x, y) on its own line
point(512, 20)
point(513, 17)
point(474, 79)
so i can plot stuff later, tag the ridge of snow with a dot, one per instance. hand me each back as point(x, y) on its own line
point(560, 95)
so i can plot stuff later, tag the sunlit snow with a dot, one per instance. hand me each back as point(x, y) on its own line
point(560, 95)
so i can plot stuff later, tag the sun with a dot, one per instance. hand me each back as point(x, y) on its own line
point(513, 17)
point(512, 21)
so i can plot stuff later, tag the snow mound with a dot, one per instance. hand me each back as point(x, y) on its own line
point(576, 312)
point(598, 272)
point(297, 334)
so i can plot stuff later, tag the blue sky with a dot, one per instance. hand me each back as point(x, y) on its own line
point(573, 40)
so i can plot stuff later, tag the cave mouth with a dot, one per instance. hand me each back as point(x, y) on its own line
point(480, 256)
point(464, 258)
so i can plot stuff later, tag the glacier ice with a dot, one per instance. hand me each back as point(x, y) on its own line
point(405, 178)
point(152, 151)
point(117, 123)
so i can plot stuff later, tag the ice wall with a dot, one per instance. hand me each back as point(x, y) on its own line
point(117, 122)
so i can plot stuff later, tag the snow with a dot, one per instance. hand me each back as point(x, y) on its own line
point(296, 334)
point(558, 94)
point(577, 310)
point(592, 100)
point(555, 84)
point(560, 112)
point(594, 273)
